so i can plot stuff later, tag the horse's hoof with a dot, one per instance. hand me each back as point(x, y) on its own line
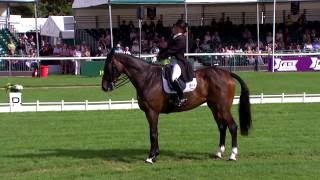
point(233, 158)
point(218, 155)
point(150, 160)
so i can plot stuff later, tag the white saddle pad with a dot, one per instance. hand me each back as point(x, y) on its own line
point(190, 86)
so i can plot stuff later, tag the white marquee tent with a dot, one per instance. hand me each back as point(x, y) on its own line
point(59, 27)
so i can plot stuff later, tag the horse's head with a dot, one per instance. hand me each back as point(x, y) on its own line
point(111, 72)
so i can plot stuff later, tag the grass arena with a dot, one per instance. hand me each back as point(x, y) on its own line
point(283, 143)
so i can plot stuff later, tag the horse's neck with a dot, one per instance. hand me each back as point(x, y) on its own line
point(137, 71)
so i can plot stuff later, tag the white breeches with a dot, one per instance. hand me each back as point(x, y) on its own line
point(176, 71)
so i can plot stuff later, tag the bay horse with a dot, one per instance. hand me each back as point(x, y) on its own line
point(215, 86)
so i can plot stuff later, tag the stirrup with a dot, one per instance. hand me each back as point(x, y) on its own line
point(180, 102)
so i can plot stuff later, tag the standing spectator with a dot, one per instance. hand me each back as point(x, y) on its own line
point(77, 53)
point(11, 47)
point(127, 51)
point(87, 53)
point(154, 50)
point(131, 25)
point(159, 27)
point(118, 49)
point(288, 20)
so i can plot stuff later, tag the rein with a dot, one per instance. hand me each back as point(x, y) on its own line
point(122, 81)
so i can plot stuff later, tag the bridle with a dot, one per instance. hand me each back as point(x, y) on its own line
point(116, 82)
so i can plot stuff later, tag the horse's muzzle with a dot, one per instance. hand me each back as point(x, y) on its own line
point(107, 87)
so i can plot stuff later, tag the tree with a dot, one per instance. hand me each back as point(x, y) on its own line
point(45, 8)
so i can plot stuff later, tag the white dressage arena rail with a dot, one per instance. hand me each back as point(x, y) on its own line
point(133, 104)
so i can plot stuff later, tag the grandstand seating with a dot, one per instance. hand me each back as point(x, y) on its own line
point(5, 35)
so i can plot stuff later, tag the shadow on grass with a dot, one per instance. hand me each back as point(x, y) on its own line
point(121, 155)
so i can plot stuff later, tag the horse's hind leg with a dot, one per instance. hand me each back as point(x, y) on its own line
point(224, 119)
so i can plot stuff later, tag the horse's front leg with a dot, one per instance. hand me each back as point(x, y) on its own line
point(153, 126)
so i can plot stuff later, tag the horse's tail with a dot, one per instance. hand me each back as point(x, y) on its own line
point(244, 106)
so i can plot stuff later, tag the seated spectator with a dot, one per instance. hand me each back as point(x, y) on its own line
point(163, 43)
point(108, 39)
point(246, 34)
point(133, 34)
point(205, 47)
point(313, 34)
point(207, 37)
point(269, 38)
point(215, 39)
point(308, 46)
point(135, 47)
point(250, 44)
point(306, 36)
point(57, 50)
point(279, 36)
point(197, 46)
point(100, 52)
point(238, 49)
point(250, 58)
point(316, 44)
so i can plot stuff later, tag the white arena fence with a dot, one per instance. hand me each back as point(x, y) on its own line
point(133, 104)
point(231, 61)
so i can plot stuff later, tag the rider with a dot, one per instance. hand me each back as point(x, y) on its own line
point(176, 48)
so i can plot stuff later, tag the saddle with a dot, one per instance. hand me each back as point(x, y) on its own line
point(188, 85)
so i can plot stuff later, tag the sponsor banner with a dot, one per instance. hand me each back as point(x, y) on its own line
point(92, 68)
point(287, 64)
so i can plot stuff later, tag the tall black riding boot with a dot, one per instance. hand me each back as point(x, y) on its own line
point(180, 100)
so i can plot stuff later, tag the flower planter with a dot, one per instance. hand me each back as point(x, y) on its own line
point(15, 99)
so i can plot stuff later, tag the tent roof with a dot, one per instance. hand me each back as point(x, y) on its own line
point(59, 26)
point(17, 1)
point(236, 1)
point(147, 1)
point(92, 3)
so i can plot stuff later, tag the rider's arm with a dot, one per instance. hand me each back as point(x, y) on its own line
point(174, 48)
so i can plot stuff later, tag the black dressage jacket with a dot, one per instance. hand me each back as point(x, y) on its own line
point(176, 48)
